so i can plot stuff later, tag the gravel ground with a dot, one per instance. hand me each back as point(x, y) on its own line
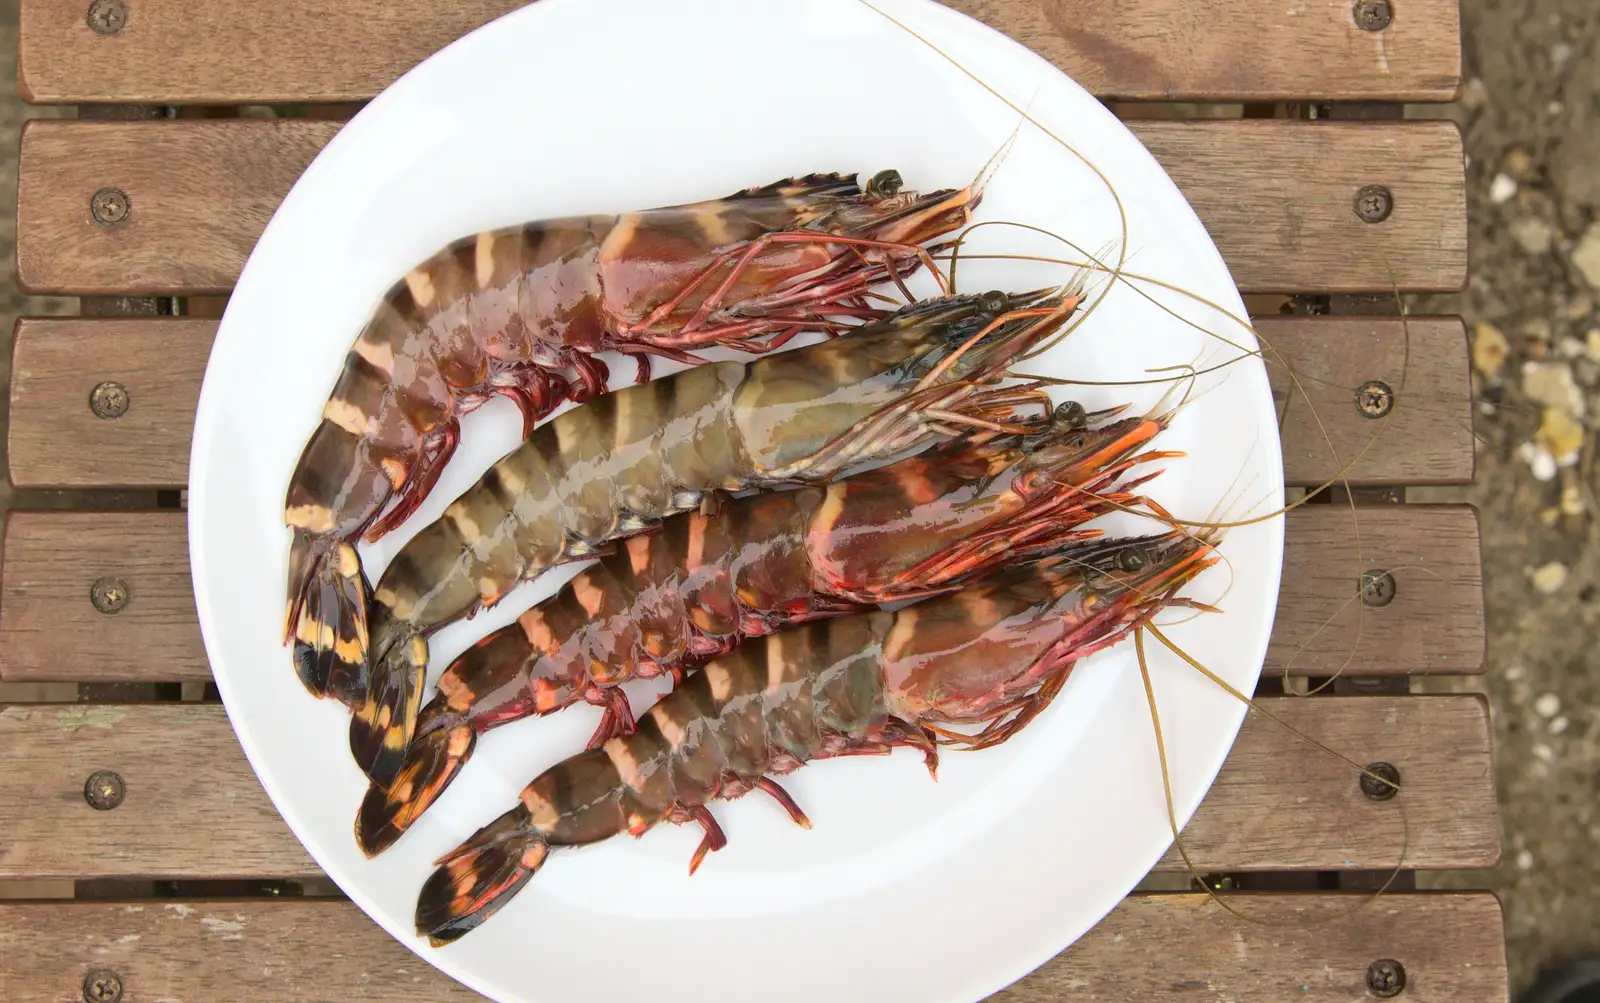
point(1531, 115)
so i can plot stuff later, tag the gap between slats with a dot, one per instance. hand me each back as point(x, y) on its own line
point(49, 630)
point(1276, 196)
point(195, 809)
point(57, 441)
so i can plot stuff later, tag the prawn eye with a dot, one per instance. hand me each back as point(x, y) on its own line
point(1071, 414)
point(1132, 559)
point(994, 302)
point(886, 183)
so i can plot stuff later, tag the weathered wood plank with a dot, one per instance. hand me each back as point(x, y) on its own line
point(1433, 624)
point(194, 808)
point(1276, 196)
point(1451, 945)
point(49, 627)
point(57, 441)
point(303, 51)
point(49, 630)
point(1317, 364)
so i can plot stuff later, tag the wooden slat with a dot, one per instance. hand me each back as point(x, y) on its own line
point(1434, 623)
point(1317, 363)
point(50, 631)
point(194, 808)
point(299, 50)
point(1276, 196)
point(57, 441)
point(1150, 947)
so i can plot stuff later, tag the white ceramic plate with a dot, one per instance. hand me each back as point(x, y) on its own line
point(905, 889)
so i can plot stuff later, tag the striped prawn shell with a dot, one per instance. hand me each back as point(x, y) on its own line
point(766, 708)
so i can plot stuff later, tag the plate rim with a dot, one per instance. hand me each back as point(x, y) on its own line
point(351, 134)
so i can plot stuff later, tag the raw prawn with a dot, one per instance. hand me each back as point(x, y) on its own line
point(991, 655)
point(620, 463)
point(673, 599)
point(522, 311)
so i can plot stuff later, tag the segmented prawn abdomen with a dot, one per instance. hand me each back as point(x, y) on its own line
point(660, 612)
point(770, 567)
point(699, 445)
point(577, 801)
point(847, 682)
point(708, 594)
point(556, 649)
point(609, 640)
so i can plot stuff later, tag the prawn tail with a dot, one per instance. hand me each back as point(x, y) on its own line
point(327, 615)
point(480, 876)
point(385, 720)
point(431, 763)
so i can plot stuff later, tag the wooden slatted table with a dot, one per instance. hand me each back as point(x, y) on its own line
point(171, 886)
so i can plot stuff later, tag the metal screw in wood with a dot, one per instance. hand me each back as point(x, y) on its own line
point(1377, 588)
point(109, 594)
point(1386, 978)
point(109, 400)
point(104, 790)
point(107, 17)
point(1374, 399)
point(109, 206)
point(1374, 203)
point(1383, 782)
point(102, 986)
point(1373, 15)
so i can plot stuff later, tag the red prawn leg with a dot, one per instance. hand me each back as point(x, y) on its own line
point(714, 838)
point(767, 239)
point(617, 721)
point(431, 461)
point(663, 311)
point(782, 797)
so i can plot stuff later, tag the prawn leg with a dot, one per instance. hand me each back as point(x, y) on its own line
point(781, 796)
point(713, 840)
point(431, 461)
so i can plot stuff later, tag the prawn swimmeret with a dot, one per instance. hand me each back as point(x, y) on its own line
point(989, 655)
point(620, 463)
point(671, 600)
point(523, 311)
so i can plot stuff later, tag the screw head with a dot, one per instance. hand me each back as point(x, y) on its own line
point(102, 986)
point(109, 206)
point(1377, 588)
point(1374, 203)
point(109, 594)
point(104, 790)
point(1374, 399)
point(1373, 15)
point(109, 400)
point(107, 17)
point(1386, 978)
point(1375, 787)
